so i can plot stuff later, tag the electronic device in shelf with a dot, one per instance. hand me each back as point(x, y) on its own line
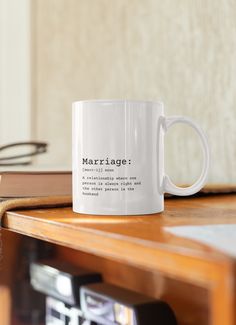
point(61, 280)
point(59, 313)
point(107, 304)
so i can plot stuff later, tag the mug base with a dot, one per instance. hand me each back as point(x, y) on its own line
point(116, 213)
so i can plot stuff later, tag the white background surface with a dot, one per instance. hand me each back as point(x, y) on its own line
point(180, 52)
point(15, 70)
point(222, 237)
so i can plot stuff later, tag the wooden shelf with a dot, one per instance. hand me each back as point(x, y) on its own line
point(141, 241)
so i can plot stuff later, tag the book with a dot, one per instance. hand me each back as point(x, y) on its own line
point(36, 181)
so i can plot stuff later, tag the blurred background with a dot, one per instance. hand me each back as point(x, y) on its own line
point(53, 52)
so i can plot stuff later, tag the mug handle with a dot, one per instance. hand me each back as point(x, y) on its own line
point(168, 186)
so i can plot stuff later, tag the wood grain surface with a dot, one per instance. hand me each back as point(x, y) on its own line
point(141, 242)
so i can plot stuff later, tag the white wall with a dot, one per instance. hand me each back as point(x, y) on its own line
point(15, 72)
point(182, 52)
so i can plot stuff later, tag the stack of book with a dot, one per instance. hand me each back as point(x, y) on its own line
point(34, 181)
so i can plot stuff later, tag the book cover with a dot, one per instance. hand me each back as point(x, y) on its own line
point(31, 181)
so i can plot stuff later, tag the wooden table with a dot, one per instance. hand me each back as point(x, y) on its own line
point(136, 252)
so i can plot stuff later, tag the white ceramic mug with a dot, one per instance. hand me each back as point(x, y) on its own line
point(118, 157)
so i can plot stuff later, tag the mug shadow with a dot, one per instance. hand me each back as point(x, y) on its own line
point(77, 218)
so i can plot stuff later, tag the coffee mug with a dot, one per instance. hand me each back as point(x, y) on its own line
point(118, 157)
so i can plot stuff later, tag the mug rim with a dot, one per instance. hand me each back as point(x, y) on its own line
point(110, 101)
